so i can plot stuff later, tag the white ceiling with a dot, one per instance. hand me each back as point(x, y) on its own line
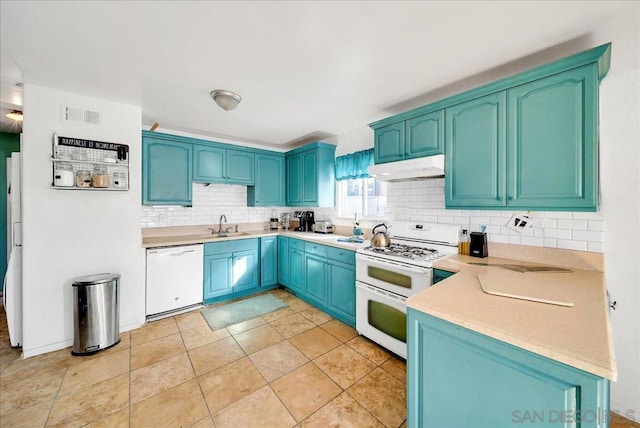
point(304, 69)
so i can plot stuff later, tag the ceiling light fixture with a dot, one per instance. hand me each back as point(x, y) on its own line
point(15, 115)
point(227, 100)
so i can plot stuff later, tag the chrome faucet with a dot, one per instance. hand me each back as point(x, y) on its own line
point(220, 232)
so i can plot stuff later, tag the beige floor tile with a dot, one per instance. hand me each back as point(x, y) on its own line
point(315, 342)
point(618, 421)
point(191, 320)
point(7, 356)
point(227, 384)
point(26, 368)
point(316, 316)
point(281, 293)
point(217, 354)
point(33, 416)
point(261, 409)
point(344, 365)
point(372, 351)
point(396, 367)
point(116, 420)
point(292, 325)
point(383, 396)
point(339, 330)
point(200, 336)
point(278, 360)
point(161, 376)
point(246, 325)
point(258, 338)
point(305, 390)
point(342, 411)
point(276, 315)
point(156, 350)
point(20, 394)
point(92, 403)
point(125, 340)
point(404, 424)
point(154, 330)
point(180, 406)
point(297, 304)
point(204, 423)
point(89, 372)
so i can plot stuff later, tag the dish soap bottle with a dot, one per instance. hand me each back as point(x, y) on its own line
point(463, 246)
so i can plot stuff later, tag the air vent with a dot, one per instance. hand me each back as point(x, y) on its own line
point(80, 114)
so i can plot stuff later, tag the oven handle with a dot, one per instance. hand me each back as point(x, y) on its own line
point(388, 264)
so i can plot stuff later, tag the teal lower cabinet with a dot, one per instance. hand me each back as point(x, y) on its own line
point(231, 269)
point(439, 275)
point(283, 260)
point(268, 261)
point(324, 276)
point(460, 378)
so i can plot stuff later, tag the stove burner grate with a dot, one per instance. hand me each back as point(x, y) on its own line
point(403, 251)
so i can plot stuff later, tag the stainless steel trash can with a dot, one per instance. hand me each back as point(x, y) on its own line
point(96, 313)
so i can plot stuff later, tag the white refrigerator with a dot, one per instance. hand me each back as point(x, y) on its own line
point(12, 288)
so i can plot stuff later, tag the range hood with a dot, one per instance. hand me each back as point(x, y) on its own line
point(410, 169)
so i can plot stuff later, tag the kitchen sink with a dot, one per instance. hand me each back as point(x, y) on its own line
point(225, 235)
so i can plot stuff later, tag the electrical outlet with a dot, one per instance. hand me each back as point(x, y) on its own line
point(519, 222)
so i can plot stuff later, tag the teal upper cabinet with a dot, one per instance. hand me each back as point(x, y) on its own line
point(552, 134)
point(269, 186)
point(222, 165)
point(418, 136)
point(311, 176)
point(166, 171)
point(528, 141)
point(389, 143)
point(475, 146)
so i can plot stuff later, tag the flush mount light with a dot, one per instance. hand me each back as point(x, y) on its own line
point(15, 115)
point(227, 100)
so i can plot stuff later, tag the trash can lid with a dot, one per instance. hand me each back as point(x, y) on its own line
point(97, 278)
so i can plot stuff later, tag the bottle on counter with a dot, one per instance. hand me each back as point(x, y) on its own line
point(463, 246)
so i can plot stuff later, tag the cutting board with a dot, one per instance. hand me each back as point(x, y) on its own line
point(536, 290)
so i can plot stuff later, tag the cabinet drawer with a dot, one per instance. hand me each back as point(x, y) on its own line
point(342, 255)
point(296, 243)
point(317, 249)
point(230, 246)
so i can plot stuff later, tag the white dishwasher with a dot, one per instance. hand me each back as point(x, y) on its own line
point(174, 280)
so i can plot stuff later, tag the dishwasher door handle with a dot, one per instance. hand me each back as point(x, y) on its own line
point(171, 254)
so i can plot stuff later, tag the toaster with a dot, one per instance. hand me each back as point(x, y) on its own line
point(324, 226)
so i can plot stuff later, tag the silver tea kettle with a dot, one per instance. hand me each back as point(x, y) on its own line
point(380, 239)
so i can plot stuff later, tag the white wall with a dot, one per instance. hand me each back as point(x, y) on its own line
point(70, 233)
point(620, 205)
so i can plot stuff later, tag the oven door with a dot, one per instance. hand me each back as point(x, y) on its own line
point(399, 278)
point(382, 317)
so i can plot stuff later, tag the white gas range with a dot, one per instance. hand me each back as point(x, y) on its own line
point(387, 276)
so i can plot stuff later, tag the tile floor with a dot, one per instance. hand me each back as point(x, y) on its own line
point(293, 367)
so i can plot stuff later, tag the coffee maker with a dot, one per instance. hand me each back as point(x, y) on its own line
point(307, 221)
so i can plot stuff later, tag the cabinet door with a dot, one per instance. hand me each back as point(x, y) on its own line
point(166, 172)
point(310, 178)
point(294, 180)
point(283, 260)
point(553, 149)
point(296, 270)
point(389, 143)
point(209, 164)
point(217, 275)
point(342, 289)
point(244, 274)
point(240, 166)
point(269, 187)
point(475, 146)
point(268, 261)
point(425, 135)
point(316, 278)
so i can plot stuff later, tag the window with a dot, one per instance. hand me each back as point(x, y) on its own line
point(366, 196)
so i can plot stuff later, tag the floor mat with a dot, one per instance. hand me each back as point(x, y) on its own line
point(237, 312)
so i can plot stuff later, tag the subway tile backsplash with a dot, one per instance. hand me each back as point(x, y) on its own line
point(423, 200)
point(420, 200)
point(210, 202)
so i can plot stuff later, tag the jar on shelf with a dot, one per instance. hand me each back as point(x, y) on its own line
point(63, 175)
point(100, 178)
point(119, 180)
point(83, 178)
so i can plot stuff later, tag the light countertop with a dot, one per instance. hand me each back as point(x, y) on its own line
point(579, 336)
